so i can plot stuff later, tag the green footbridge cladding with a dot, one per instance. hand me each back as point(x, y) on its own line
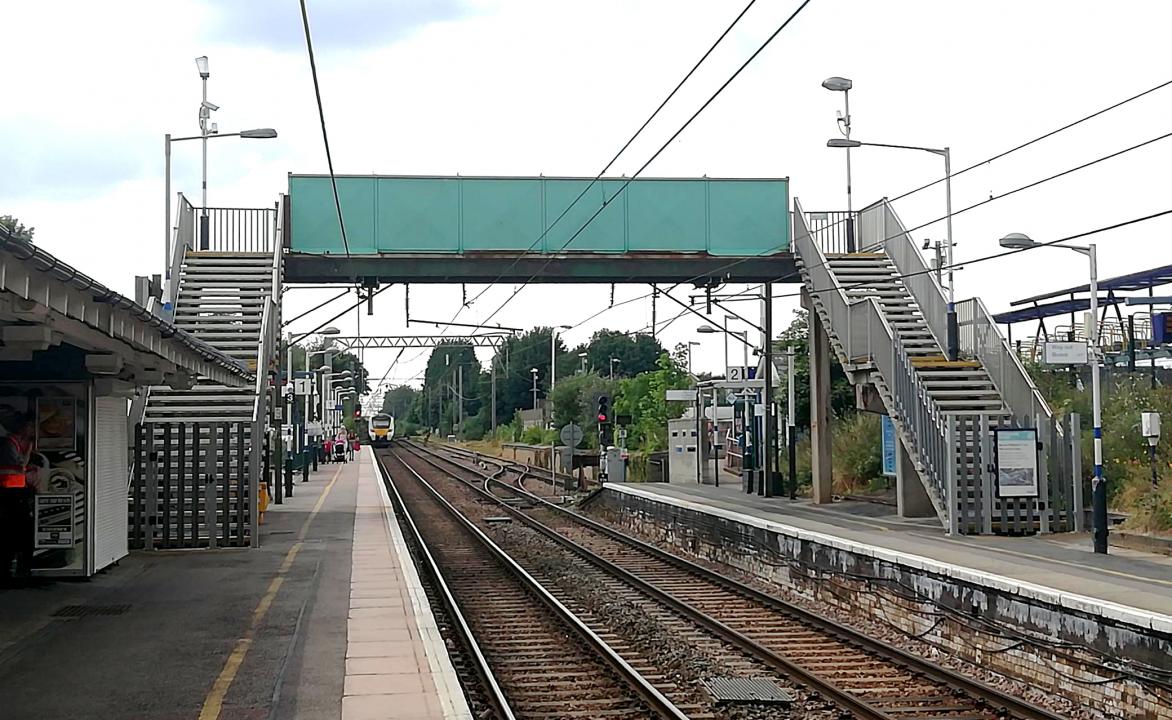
point(389, 215)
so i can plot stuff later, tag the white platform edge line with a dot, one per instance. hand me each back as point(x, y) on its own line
point(443, 674)
point(1073, 601)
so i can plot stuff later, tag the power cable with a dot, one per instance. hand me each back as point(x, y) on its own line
point(315, 308)
point(627, 182)
point(322, 116)
point(614, 159)
point(992, 198)
point(327, 322)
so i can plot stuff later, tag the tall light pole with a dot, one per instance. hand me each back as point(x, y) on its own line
point(582, 359)
point(533, 372)
point(691, 343)
point(844, 85)
point(553, 352)
point(952, 336)
point(613, 362)
point(1020, 241)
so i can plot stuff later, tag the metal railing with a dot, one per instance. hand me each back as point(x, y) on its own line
point(236, 229)
point(832, 230)
point(183, 240)
point(980, 338)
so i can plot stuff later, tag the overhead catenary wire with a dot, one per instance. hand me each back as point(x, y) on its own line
point(990, 199)
point(627, 182)
point(303, 335)
point(616, 156)
point(321, 113)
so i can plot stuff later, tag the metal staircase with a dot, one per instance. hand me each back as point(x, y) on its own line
point(200, 448)
point(885, 315)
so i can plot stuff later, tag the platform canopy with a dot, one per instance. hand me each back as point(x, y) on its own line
point(1132, 282)
point(46, 303)
point(481, 229)
point(1054, 309)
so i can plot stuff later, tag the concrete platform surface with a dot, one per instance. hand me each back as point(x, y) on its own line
point(258, 634)
point(1128, 585)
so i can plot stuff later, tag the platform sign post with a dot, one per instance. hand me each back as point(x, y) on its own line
point(889, 440)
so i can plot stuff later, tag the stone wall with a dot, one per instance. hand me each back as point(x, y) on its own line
point(1052, 648)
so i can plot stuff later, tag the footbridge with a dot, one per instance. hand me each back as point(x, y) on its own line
point(435, 229)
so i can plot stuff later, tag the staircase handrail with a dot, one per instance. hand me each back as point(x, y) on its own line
point(881, 228)
point(866, 335)
point(263, 353)
point(184, 239)
point(979, 337)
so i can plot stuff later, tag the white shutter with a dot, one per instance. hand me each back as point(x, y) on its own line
point(110, 468)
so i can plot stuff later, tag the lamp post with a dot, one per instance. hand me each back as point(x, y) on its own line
point(743, 336)
point(582, 360)
point(1019, 241)
point(844, 85)
point(691, 343)
point(207, 130)
point(553, 350)
point(953, 349)
point(533, 372)
point(613, 361)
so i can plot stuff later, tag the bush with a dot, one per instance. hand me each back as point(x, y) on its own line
point(857, 449)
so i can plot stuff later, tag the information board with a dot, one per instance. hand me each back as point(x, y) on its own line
point(1017, 462)
point(54, 521)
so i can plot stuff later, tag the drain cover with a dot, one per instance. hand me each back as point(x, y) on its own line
point(746, 690)
point(72, 611)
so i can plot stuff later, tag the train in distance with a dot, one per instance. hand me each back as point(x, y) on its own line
point(381, 429)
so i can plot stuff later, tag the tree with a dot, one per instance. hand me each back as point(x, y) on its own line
point(17, 228)
point(644, 398)
point(636, 353)
point(573, 402)
point(514, 362)
point(398, 400)
point(437, 403)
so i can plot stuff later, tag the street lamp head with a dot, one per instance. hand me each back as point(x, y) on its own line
point(566, 327)
point(707, 330)
point(331, 330)
point(533, 370)
point(1017, 241)
point(259, 133)
point(324, 368)
point(201, 63)
point(582, 354)
point(837, 84)
point(842, 143)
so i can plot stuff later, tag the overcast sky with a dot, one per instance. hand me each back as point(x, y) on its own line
point(555, 87)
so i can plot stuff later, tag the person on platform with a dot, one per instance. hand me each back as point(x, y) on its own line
point(16, 496)
point(340, 443)
point(329, 446)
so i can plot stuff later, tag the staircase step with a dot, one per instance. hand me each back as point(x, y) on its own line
point(939, 362)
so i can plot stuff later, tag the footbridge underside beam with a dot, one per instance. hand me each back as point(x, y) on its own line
point(695, 268)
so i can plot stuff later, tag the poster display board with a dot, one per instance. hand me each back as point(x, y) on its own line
point(57, 468)
point(1017, 462)
point(53, 518)
point(888, 428)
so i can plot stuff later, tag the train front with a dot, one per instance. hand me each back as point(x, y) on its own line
point(382, 429)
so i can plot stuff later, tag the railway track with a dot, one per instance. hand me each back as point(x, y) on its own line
point(866, 677)
point(537, 659)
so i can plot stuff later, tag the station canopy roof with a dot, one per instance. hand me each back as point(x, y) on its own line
point(1132, 282)
point(37, 290)
point(1053, 309)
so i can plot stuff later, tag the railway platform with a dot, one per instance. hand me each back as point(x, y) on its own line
point(1129, 585)
point(325, 619)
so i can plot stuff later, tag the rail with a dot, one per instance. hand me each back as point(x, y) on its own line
point(428, 560)
point(653, 697)
point(250, 230)
point(992, 696)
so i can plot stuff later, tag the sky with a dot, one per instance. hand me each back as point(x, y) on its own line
point(513, 87)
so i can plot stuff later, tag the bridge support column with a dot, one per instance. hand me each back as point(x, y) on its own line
point(911, 497)
point(819, 342)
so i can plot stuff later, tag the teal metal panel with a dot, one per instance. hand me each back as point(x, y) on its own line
point(500, 215)
point(747, 217)
point(667, 216)
point(315, 215)
point(576, 232)
point(418, 215)
point(473, 214)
